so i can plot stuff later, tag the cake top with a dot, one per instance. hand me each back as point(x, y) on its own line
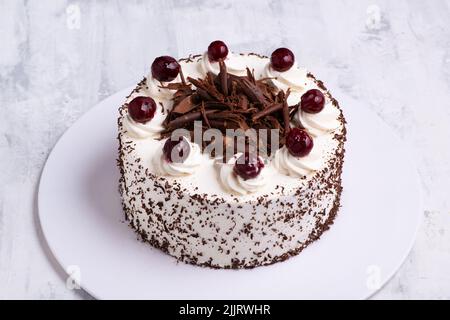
point(225, 101)
point(248, 113)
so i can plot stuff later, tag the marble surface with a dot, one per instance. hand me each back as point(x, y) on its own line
point(59, 58)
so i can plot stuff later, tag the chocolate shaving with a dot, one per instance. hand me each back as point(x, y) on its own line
point(216, 105)
point(267, 111)
point(251, 76)
point(187, 118)
point(204, 116)
point(184, 106)
point(183, 81)
point(226, 101)
point(206, 89)
point(286, 118)
point(252, 91)
point(223, 75)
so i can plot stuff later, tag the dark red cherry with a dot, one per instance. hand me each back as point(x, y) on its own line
point(313, 101)
point(299, 142)
point(142, 109)
point(217, 50)
point(282, 59)
point(248, 166)
point(165, 68)
point(176, 150)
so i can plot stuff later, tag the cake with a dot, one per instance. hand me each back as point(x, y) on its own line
point(240, 205)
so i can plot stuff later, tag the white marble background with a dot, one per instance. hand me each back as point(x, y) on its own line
point(59, 58)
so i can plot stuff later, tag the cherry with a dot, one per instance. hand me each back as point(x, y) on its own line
point(176, 151)
point(217, 50)
point(282, 59)
point(313, 101)
point(165, 68)
point(248, 166)
point(142, 109)
point(299, 143)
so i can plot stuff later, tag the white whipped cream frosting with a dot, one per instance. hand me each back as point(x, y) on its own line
point(149, 129)
point(295, 78)
point(321, 123)
point(189, 166)
point(235, 65)
point(290, 165)
point(233, 183)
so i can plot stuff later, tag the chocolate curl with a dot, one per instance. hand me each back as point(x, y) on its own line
point(216, 105)
point(203, 111)
point(228, 119)
point(195, 82)
point(267, 111)
point(251, 75)
point(286, 118)
point(224, 124)
point(173, 86)
point(251, 91)
point(201, 91)
point(246, 111)
point(184, 106)
point(183, 80)
point(204, 94)
point(288, 93)
point(187, 118)
point(223, 77)
point(233, 87)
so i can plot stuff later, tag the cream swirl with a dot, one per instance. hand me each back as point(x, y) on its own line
point(187, 167)
point(295, 78)
point(236, 184)
point(144, 130)
point(235, 65)
point(320, 123)
point(290, 165)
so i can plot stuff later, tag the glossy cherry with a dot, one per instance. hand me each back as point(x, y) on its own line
point(142, 109)
point(165, 68)
point(217, 50)
point(299, 143)
point(176, 151)
point(248, 166)
point(282, 59)
point(313, 101)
